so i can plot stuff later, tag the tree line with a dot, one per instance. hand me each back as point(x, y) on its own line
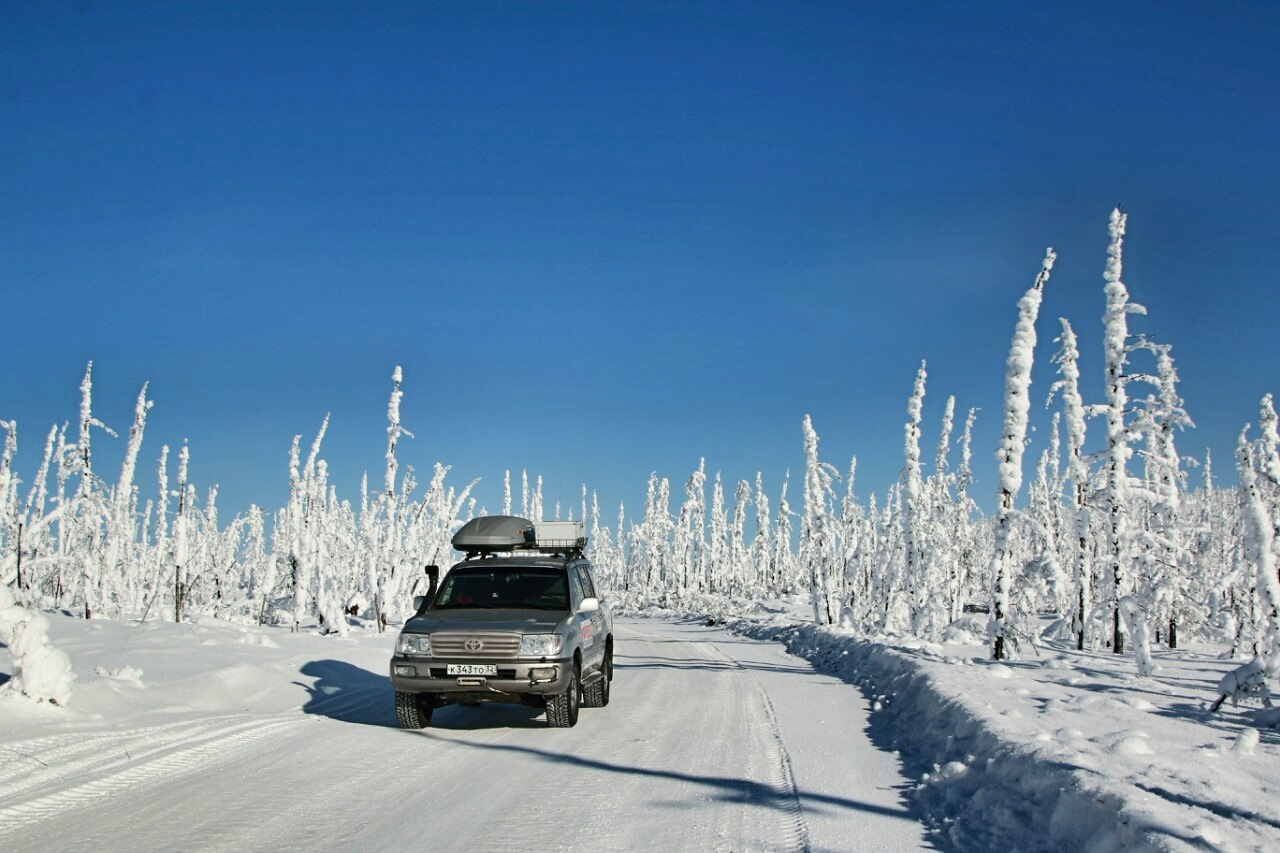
point(1114, 548)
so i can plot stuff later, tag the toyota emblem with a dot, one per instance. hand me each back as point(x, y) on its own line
point(473, 645)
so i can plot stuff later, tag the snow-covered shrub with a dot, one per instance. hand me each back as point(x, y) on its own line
point(1248, 682)
point(40, 670)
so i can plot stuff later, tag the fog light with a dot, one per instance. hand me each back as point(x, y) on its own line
point(541, 675)
point(408, 671)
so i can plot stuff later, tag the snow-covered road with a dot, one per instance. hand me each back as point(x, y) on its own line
point(711, 742)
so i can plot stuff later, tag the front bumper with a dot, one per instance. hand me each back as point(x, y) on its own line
point(516, 678)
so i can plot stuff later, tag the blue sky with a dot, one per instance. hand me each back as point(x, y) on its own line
point(605, 239)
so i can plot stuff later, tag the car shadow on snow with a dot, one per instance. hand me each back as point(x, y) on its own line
point(350, 694)
point(488, 715)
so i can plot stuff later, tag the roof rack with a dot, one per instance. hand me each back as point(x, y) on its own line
point(502, 534)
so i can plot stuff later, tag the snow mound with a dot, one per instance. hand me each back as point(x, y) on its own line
point(280, 617)
point(251, 638)
point(1138, 703)
point(1246, 742)
point(128, 674)
point(967, 630)
point(1132, 744)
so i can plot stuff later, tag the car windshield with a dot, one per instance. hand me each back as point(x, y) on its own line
point(518, 587)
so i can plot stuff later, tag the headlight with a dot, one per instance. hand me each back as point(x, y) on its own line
point(413, 644)
point(540, 645)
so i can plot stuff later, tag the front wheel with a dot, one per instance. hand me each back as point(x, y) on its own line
point(413, 710)
point(596, 694)
point(562, 709)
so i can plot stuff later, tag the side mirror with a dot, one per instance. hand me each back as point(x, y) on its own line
point(418, 601)
point(589, 605)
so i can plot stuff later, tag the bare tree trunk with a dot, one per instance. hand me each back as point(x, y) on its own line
point(19, 580)
point(178, 594)
point(1000, 599)
point(1082, 615)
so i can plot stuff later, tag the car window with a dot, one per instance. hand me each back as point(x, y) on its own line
point(584, 577)
point(576, 586)
point(522, 588)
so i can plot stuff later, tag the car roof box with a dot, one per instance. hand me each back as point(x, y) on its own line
point(491, 533)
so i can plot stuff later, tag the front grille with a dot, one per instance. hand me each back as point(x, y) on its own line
point(453, 644)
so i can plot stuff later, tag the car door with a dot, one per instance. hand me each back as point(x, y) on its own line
point(580, 622)
point(593, 625)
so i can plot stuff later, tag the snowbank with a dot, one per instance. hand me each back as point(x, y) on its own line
point(1066, 751)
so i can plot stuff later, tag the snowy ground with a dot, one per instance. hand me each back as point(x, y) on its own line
point(212, 736)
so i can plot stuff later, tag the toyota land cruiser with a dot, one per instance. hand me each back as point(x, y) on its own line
point(519, 620)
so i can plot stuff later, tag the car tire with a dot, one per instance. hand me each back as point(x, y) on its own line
point(413, 710)
point(562, 709)
point(596, 694)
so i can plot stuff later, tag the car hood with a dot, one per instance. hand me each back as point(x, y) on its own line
point(516, 621)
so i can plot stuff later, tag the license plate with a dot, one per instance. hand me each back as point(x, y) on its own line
point(472, 669)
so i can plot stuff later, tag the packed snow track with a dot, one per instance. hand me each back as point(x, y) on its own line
point(711, 742)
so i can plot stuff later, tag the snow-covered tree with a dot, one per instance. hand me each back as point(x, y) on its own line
point(1163, 549)
point(1260, 551)
point(912, 506)
point(762, 557)
point(817, 536)
point(1116, 483)
point(783, 560)
point(717, 539)
point(1073, 410)
point(690, 545)
point(1017, 404)
point(740, 573)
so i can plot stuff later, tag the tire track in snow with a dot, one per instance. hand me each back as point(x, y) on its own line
point(114, 762)
point(215, 745)
point(64, 753)
point(782, 778)
point(77, 756)
point(43, 762)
